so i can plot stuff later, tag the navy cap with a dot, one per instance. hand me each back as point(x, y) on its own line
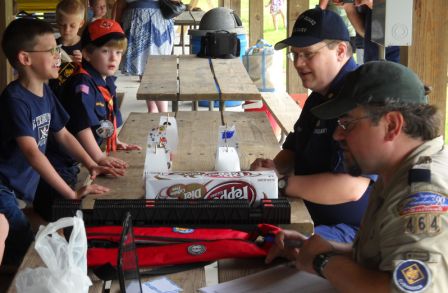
point(374, 82)
point(314, 26)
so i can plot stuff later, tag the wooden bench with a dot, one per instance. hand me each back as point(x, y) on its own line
point(120, 97)
point(284, 109)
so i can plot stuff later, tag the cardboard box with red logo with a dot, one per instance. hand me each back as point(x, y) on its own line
point(250, 185)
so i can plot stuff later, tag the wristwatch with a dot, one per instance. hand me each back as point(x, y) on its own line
point(320, 261)
point(282, 184)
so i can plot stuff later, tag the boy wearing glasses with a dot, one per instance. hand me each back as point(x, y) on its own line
point(311, 162)
point(29, 113)
point(89, 96)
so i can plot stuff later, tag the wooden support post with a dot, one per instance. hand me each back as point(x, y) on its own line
point(235, 5)
point(6, 16)
point(255, 21)
point(428, 55)
point(293, 83)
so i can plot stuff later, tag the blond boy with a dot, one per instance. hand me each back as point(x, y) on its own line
point(70, 19)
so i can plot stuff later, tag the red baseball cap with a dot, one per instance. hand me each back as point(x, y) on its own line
point(101, 31)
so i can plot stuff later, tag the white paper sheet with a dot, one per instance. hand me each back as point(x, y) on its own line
point(283, 278)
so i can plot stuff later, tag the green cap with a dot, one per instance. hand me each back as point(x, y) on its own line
point(373, 82)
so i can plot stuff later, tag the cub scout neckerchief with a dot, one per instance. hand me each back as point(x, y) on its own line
point(111, 144)
point(162, 246)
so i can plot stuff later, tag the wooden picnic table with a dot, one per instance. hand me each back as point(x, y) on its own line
point(190, 78)
point(190, 19)
point(196, 150)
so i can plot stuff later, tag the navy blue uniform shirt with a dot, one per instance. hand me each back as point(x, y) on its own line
point(86, 107)
point(315, 151)
point(25, 114)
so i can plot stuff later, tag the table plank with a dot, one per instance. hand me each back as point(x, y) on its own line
point(284, 109)
point(196, 79)
point(197, 16)
point(198, 139)
point(255, 136)
point(131, 186)
point(234, 81)
point(185, 18)
point(159, 81)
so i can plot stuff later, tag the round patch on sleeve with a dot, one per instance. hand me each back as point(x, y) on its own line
point(412, 276)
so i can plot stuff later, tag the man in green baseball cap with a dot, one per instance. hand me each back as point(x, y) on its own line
point(387, 127)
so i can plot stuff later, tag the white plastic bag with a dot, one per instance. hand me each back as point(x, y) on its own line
point(66, 270)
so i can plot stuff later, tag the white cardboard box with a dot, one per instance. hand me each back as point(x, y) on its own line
point(250, 185)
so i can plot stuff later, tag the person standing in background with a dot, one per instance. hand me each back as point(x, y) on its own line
point(276, 8)
point(360, 15)
point(99, 8)
point(148, 33)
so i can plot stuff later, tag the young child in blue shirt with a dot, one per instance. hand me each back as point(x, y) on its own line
point(89, 96)
point(29, 113)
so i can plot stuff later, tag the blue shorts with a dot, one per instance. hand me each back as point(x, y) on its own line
point(339, 233)
point(20, 235)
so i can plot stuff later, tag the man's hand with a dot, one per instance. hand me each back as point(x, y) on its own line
point(279, 249)
point(121, 146)
point(261, 164)
point(91, 189)
point(108, 161)
point(313, 246)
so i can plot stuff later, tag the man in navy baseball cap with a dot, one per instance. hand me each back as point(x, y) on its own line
point(311, 161)
point(314, 26)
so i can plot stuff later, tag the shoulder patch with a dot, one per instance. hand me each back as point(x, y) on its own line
point(82, 88)
point(412, 276)
point(423, 202)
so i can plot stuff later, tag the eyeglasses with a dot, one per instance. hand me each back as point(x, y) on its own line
point(305, 56)
point(345, 124)
point(53, 51)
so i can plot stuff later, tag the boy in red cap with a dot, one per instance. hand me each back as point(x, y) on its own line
point(89, 96)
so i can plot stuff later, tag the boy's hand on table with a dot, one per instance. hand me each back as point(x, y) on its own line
point(108, 161)
point(91, 189)
point(98, 170)
point(122, 146)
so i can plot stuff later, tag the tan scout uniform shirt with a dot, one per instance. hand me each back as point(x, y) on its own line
point(408, 220)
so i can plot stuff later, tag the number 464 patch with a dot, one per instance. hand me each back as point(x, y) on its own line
point(423, 223)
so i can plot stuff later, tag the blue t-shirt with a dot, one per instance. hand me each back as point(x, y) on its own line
point(25, 114)
point(315, 151)
point(86, 106)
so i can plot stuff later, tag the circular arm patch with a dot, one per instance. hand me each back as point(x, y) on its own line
point(412, 276)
